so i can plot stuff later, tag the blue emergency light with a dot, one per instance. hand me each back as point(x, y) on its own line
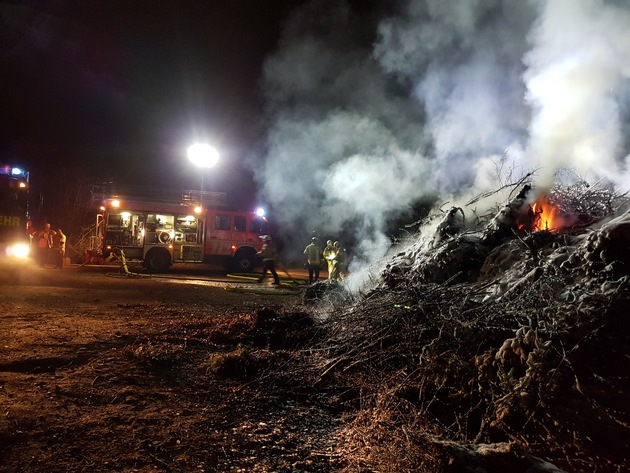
point(13, 171)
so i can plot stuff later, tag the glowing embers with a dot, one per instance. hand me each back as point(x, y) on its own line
point(541, 215)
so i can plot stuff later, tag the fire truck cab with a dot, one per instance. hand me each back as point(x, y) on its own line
point(189, 227)
point(14, 239)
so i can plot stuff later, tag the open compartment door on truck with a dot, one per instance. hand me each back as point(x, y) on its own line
point(188, 241)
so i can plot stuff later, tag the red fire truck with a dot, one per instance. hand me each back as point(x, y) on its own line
point(165, 227)
point(14, 239)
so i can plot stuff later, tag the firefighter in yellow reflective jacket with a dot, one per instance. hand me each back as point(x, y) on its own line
point(329, 255)
point(268, 255)
point(313, 260)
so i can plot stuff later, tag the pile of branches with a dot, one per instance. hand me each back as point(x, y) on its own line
point(592, 202)
point(436, 367)
point(457, 252)
point(526, 357)
point(85, 240)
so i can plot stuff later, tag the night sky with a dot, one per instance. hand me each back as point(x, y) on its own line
point(342, 117)
point(117, 90)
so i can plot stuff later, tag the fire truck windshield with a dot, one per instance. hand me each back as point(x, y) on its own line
point(13, 201)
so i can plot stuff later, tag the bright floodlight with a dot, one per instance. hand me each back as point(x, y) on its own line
point(202, 155)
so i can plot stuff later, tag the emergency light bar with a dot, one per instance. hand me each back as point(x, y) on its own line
point(12, 171)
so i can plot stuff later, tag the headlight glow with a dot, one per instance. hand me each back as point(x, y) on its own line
point(18, 251)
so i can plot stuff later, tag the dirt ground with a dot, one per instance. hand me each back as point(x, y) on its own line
point(103, 373)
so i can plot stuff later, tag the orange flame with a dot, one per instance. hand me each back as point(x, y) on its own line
point(547, 216)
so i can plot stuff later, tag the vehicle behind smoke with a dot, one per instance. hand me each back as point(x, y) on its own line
point(14, 239)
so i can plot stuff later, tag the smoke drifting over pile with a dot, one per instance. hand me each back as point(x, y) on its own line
point(371, 112)
point(578, 75)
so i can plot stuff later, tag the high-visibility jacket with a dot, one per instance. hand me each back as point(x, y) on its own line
point(329, 252)
point(313, 254)
point(267, 253)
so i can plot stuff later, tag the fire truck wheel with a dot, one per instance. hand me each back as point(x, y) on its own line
point(244, 261)
point(158, 260)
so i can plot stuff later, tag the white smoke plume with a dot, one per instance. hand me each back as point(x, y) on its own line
point(578, 75)
point(370, 115)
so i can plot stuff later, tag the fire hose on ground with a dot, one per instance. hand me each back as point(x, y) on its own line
point(125, 272)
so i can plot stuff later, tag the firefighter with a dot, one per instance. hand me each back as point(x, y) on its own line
point(341, 261)
point(268, 254)
point(30, 231)
point(44, 244)
point(329, 256)
point(58, 251)
point(313, 260)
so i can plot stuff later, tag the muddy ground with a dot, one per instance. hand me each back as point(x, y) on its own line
point(101, 372)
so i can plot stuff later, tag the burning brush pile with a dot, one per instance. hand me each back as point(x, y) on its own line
point(502, 345)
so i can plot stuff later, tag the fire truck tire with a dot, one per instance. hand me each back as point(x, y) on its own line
point(244, 261)
point(158, 260)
